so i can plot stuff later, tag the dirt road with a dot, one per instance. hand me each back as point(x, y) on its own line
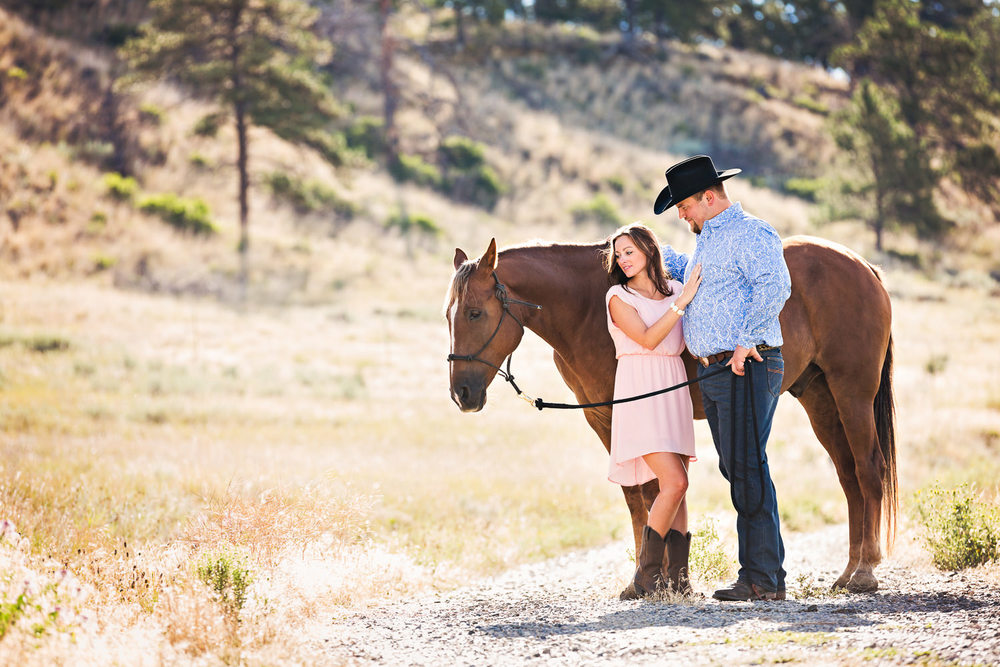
point(565, 611)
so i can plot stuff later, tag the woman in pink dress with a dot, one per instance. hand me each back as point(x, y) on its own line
point(652, 437)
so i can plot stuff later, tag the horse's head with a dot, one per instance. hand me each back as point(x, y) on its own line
point(483, 331)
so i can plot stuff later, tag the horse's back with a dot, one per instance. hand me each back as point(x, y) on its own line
point(838, 315)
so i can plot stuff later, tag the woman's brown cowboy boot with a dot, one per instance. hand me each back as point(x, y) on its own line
point(649, 574)
point(678, 548)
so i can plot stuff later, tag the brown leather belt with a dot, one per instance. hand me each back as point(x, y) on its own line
point(722, 356)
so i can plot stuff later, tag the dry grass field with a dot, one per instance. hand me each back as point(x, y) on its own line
point(187, 479)
point(315, 448)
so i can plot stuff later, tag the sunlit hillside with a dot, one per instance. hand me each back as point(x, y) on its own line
point(577, 135)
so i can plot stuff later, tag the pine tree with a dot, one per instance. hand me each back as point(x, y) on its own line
point(255, 59)
point(879, 145)
point(934, 72)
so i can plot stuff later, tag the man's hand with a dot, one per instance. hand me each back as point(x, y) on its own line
point(740, 355)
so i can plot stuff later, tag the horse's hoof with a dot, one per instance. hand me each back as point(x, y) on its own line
point(862, 582)
point(629, 593)
point(841, 583)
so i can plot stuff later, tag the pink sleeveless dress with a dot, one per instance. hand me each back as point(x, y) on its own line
point(663, 423)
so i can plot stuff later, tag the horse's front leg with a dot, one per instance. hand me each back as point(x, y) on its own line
point(638, 511)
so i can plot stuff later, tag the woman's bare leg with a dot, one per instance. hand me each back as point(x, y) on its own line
point(671, 473)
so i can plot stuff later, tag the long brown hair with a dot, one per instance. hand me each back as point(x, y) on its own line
point(647, 243)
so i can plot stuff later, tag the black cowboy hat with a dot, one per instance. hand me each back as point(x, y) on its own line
point(689, 177)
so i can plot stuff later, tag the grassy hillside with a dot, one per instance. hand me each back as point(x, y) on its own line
point(577, 134)
point(153, 426)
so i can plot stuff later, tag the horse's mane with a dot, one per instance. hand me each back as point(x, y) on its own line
point(463, 274)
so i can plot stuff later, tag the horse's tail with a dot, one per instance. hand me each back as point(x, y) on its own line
point(885, 429)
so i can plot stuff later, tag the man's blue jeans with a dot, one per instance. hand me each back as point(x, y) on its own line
point(761, 551)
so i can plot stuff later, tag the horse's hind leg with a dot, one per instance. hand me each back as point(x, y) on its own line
point(858, 419)
point(825, 419)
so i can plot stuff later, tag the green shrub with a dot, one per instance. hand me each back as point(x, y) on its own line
point(466, 176)
point(229, 578)
point(104, 262)
point(810, 104)
point(200, 161)
point(95, 152)
point(531, 70)
point(116, 34)
point(708, 559)
point(414, 169)
point(11, 611)
point(616, 183)
point(418, 224)
point(480, 186)
point(461, 153)
point(599, 210)
point(936, 364)
point(586, 45)
point(186, 215)
point(309, 196)
point(960, 528)
point(208, 125)
point(119, 187)
point(366, 134)
point(43, 343)
point(805, 188)
point(151, 113)
point(332, 146)
point(17, 73)
point(97, 223)
point(912, 258)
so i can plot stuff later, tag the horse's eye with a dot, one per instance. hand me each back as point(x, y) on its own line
point(475, 314)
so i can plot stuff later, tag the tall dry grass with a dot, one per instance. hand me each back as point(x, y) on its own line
point(319, 442)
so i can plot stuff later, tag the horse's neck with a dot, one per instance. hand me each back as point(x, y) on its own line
point(566, 281)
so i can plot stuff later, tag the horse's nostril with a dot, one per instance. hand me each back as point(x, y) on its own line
point(463, 393)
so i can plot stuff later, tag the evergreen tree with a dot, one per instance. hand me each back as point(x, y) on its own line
point(934, 74)
point(880, 148)
point(255, 59)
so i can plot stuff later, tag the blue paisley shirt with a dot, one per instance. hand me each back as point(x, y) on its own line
point(744, 283)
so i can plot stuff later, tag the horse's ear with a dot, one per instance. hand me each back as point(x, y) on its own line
point(460, 257)
point(488, 262)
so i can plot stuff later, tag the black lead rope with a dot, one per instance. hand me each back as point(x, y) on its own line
point(500, 291)
point(539, 403)
point(748, 403)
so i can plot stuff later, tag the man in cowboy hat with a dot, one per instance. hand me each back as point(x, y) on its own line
point(733, 322)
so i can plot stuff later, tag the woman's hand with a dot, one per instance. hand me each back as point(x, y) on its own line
point(690, 288)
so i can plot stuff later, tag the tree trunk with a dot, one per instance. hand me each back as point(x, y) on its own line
point(240, 113)
point(389, 102)
point(459, 26)
point(241, 162)
point(115, 129)
point(628, 39)
point(879, 221)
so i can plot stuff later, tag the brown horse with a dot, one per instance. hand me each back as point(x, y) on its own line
point(837, 352)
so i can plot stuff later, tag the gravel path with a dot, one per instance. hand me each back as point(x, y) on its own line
point(565, 611)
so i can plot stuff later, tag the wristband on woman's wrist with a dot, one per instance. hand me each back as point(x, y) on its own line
point(679, 311)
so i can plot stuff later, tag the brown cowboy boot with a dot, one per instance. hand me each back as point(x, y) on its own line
point(678, 548)
point(649, 573)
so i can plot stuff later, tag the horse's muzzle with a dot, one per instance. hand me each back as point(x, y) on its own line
point(468, 398)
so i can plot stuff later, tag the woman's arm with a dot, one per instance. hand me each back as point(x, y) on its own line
point(627, 318)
